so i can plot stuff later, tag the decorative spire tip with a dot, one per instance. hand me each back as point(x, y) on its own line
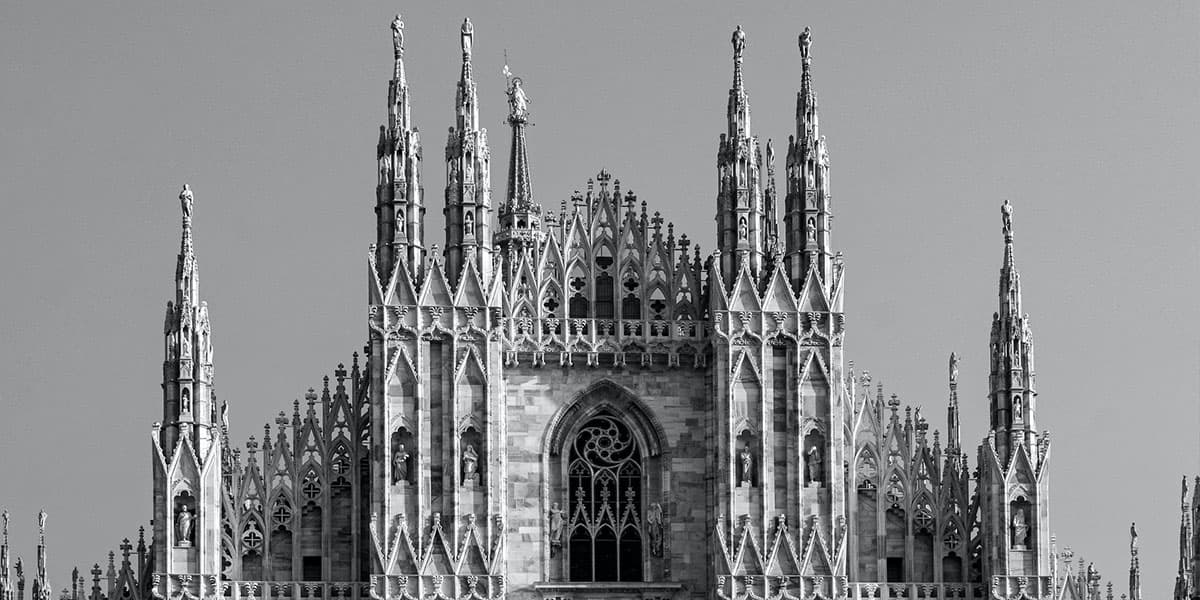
point(398, 36)
point(1006, 211)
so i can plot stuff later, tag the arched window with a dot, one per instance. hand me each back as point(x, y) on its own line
point(605, 503)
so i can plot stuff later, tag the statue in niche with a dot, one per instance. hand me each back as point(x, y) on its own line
point(747, 461)
point(183, 526)
point(742, 230)
point(1020, 528)
point(812, 229)
point(556, 528)
point(469, 225)
point(470, 465)
point(185, 405)
point(813, 464)
point(654, 527)
point(1017, 411)
point(400, 464)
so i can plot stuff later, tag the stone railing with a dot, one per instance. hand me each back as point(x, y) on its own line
point(910, 590)
point(296, 590)
point(623, 341)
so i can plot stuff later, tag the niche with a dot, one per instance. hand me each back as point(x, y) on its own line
point(745, 459)
point(185, 520)
point(471, 450)
point(403, 456)
point(814, 458)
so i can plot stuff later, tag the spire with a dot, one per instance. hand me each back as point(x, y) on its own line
point(1183, 577)
point(520, 227)
point(1135, 568)
point(41, 586)
point(953, 438)
point(741, 216)
point(468, 208)
point(399, 209)
point(1013, 398)
point(807, 216)
point(6, 587)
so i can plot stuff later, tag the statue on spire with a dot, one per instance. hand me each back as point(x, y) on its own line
point(185, 199)
point(468, 33)
point(953, 369)
point(42, 522)
point(739, 42)
point(518, 101)
point(805, 43)
point(1006, 211)
point(1133, 541)
point(398, 36)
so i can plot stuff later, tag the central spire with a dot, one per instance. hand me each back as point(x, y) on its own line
point(520, 219)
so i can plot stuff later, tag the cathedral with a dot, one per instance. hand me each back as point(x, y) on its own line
point(576, 402)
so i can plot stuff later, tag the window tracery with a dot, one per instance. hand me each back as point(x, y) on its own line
point(605, 499)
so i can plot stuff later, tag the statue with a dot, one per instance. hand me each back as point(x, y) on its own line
point(42, 521)
point(739, 42)
point(1017, 412)
point(470, 465)
point(4, 516)
point(813, 463)
point(1006, 211)
point(556, 527)
point(469, 225)
point(1133, 539)
point(747, 464)
point(805, 42)
point(185, 199)
point(399, 464)
point(953, 369)
point(398, 36)
point(518, 100)
point(468, 32)
point(225, 416)
point(20, 574)
point(654, 525)
point(742, 230)
point(183, 526)
point(185, 404)
point(1020, 528)
point(770, 155)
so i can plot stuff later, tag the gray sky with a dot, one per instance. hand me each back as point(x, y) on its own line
point(1082, 114)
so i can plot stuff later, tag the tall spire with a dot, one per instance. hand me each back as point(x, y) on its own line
point(953, 441)
point(399, 208)
point(807, 216)
point(1183, 579)
point(741, 215)
point(41, 586)
point(187, 440)
point(468, 208)
point(519, 218)
point(1013, 398)
point(1135, 568)
point(6, 588)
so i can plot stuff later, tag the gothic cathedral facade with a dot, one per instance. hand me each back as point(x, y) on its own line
point(576, 403)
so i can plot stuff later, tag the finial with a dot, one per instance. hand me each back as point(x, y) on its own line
point(1133, 539)
point(42, 524)
point(805, 44)
point(953, 369)
point(4, 517)
point(1006, 211)
point(398, 36)
point(185, 199)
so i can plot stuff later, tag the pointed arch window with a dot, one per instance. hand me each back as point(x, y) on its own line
point(605, 499)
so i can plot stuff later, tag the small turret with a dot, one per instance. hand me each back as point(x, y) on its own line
point(807, 218)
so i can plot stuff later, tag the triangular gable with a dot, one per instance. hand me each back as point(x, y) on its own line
point(400, 286)
point(778, 296)
point(436, 292)
point(374, 284)
point(813, 298)
point(745, 295)
point(816, 557)
point(784, 559)
point(470, 288)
